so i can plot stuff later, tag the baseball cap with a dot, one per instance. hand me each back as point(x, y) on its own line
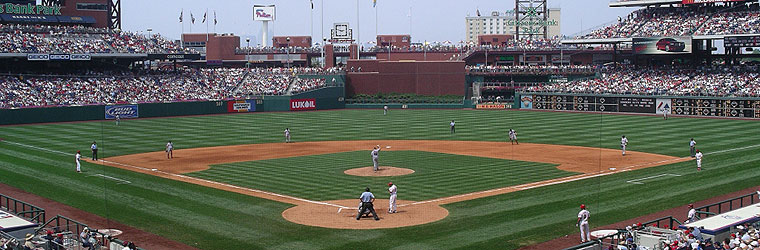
point(390, 184)
point(583, 206)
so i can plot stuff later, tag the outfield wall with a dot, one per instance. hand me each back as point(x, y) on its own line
point(733, 107)
point(320, 99)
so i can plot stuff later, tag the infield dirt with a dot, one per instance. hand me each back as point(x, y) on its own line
point(586, 161)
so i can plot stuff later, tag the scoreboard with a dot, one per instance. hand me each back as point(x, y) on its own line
point(680, 106)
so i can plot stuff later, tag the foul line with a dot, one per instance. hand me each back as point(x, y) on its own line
point(120, 181)
point(637, 181)
point(518, 187)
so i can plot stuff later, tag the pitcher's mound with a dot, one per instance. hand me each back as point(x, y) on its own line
point(408, 214)
point(382, 171)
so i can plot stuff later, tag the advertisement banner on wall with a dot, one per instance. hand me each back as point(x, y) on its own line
point(303, 104)
point(241, 106)
point(526, 102)
point(636, 105)
point(708, 1)
point(664, 106)
point(492, 106)
point(123, 111)
point(661, 45)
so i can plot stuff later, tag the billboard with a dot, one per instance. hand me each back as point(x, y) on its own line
point(741, 41)
point(664, 106)
point(241, 106)
point(492, 106)
point(303, 104)
point(636, 105)
point(661, 45)
point(263, 13)
point(58, 57)
point(123, 111)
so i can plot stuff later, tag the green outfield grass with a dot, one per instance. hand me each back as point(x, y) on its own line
point(213, 219)
point(321, 177)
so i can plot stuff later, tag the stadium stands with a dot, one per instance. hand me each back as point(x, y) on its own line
point(716, 81)
point(18, 38)
point(183, 85)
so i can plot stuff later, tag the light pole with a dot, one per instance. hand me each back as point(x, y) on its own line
point(324, 42)
point(248, 53)
point(150, 32)
point(287, 51)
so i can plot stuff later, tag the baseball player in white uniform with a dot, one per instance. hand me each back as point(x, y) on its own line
point(699, 160)
point(118, 119)
point(392, 201)
point(623, 144)
point(287, 135)
point(385, 110)
point(375, 154)
point(692, 216)
point(582, 223)
point(692, 147)
point(169, 150)
point(513, 136)
point(76, 158)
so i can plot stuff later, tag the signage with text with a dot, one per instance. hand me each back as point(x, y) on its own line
point(492, 106)
point(303, 104)
point(241, 106)
point(29, 9)
point(58, 57)
point(263, 13)
point(123, 111)
point(661, 45)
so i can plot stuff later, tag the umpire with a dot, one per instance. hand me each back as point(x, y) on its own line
point(367, 198)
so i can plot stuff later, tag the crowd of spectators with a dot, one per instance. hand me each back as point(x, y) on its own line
point(158, 86)
point(531, 69)
point(23, 38)
point(683, 21)
point(706, 81)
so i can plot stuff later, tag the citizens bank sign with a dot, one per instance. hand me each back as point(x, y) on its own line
point(303, 104)
point(30, 9)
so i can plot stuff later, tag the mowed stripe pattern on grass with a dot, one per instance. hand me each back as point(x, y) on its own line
point(202, 217)
point(321, 177)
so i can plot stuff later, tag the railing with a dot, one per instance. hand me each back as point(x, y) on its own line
point(22, 209)
point(660, 222)
point(14, 243)
point(727, 205)
point(613, 239)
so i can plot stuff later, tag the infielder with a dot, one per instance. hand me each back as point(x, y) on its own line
point(385, 110)
point(452, 126)
point(692, 147)
point(94, 148)
point(287, 135)
point(699, 160)
point(392, 201)
point(582, 223)
point(623, 143)
point(169, 150)
point(367, 198)
point(375, 154)
point(76, 158)
point(513, 137)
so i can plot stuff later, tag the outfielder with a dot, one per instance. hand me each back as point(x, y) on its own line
point(385, 110)
point(287, 135)
point(169, 150)
point(623, 143)
point(76, 158)
point(118, 119)
point(513, 136)
point(699, 160)
point(94, 148)
point(452, 127)
point(582, 223)
point(392, 201)
point(692, 147)
point(375, 154)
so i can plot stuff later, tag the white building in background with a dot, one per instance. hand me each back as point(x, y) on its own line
point(503, 23)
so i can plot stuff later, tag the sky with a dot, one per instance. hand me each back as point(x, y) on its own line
point(431, 20)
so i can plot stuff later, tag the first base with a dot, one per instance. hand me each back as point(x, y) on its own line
point(387, 146)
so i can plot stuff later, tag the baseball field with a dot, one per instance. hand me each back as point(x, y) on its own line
point(234, 184)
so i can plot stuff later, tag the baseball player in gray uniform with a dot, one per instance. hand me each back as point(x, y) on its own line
point(513, 137)
point(623, 144)
point(693, 147)
point(392, 201)
point(375, 154)
point(453, 130)
point(287, 135)
point(169, 150)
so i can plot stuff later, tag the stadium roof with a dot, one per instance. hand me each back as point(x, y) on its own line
point(638, 3)
point(629, 39)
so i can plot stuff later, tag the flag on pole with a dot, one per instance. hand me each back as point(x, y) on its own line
point(215, 18)
point(204, 17)
point(477, 12)
point(374, 3)
point(312, 4)
point(181, 13)
point(192, 18)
